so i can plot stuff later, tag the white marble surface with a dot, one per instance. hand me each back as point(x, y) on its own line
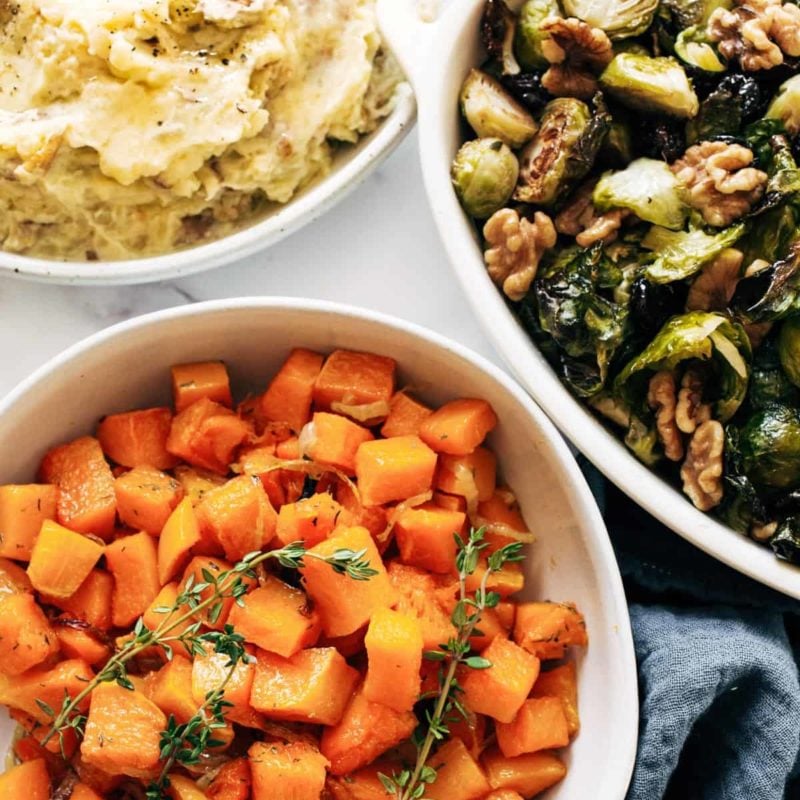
point(378, 249)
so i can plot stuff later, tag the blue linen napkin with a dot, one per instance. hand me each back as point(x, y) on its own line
point(718, 659)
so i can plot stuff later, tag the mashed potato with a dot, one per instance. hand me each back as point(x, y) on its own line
point(136, 127)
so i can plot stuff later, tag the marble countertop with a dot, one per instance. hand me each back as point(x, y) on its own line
point(378, 248)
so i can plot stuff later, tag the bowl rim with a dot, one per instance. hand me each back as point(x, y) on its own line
point(525, 361)
point(627, 708)
point(322, 194)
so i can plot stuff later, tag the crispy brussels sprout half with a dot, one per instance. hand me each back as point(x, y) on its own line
point(686, 13)
point(786, 105)
point(768, 382)
point(493, 113)
point(736, 100)
point(650, 84)
point(680, 254)
point(741, 507)
point(770, 294)
point(696, 335)
point(773, 235)
point(484, 174)
point(528, 39)
point(785, 543)
point(562, 152)
point(789, 349)
point(620, 19)
point(648, 188)
point(770, 446)
point(617, 147)
point(498, 26)
point(694, 48)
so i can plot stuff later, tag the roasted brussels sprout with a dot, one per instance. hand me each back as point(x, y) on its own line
point(650, 84)
point(770, 446)
point(786, 105)
point(617, 147)
point(484, 174)
point(770, 294)
point(493, 113)
point(686, 13)
point(562, 151)
point(498, 26)
point(694, 48)
point(620, 19)
point(652, 304)
point(642, 440)
point(648, 188)
point(785, 543)
point(741, 507)
point(528, 39)
point(789, 349)
point(737, 99)
point(768, 381)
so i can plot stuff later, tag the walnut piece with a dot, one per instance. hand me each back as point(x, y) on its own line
point(762, 532)
point(577, 52)
point(516, 247)
point(760, 33)
point(702, 470)
point(719, 181)
point(714, 286)
point(583, 221)
point(690, 410)
point(661, 398)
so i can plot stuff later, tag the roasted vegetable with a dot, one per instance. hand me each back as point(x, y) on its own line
point(617, 148)
point(786, 541)
point(620, 19)
point(741, 507)
point(498, 26)
point(652, 304)
point(789, 349)
point(770, 447)
point(686, 13)
point(484, 175)
point(768, 382)
point(650, 84)
point(659, 137)
point(493, 113)
point(694, 48)
point(785, 106)
point(770, 294)
point(529, 36)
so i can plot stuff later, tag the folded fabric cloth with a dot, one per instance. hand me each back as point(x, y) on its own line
point(718, 662)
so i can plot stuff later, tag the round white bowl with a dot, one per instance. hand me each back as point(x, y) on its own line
point(455, 42)
point(127, 366)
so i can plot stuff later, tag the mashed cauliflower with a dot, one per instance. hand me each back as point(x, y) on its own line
point(136, 127)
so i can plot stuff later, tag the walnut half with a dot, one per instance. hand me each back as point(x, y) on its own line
point(516, 246)
point(702, 470)
point(583, 221)
point(661, 397)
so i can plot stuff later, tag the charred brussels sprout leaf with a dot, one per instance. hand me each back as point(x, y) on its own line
point(786, 541)
point(741, 506)
point(484, 174)
point(680, 254)
point(617, 147)
point(786, 105)
point(529, 36)
point(696, 335)
point(768, 381)
point(694, 48)
point(650, 84)
point(652, 304)
point(789, 349)
point(562, 152)
point(770, 446)
point(620, 19)
point(736, 100)
point(758, 137)
point(492, 112)
point(773, 233)
point(498, 26)
point(771, 294)
point(648, 188)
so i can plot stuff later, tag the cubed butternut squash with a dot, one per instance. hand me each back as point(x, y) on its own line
point(561, 682)
point(61, 560)
point(350, 379)
point(276, 617)
point(123, 732)
point(210, 670)
point(286, 771)
point(178, 536)
point(183, 788)
point(363, 784)
point(309, 520)
point(155, 615)
point(470, 728)
point(197, 481)
point(29, 781)
point(458, 775)
point(133, 561)
point(506, 581)
point(77, 640)
point(137, 438)
point(546, 629)
point(232, 782)
point(86, 501)
point(289, 394)
point(23, 509)
point(333, 440)
point(504, 794)
point(83, 792)
point(394, 651)
point(425, 536)
point(500, 690)
point(458, 427)
point(490, 626)
point(452, 502)
point(171, 689)
point(312, 686)
point(91, 602)
point(528, 774)
point(13, 578)
point(26, 637)
point(472, 476)
point(366, 731)
point(201, 380)
point(198, 570)
point(540, 724)
point(394, 469)
point(406, 414)
point(146, 497)
point(345, 605)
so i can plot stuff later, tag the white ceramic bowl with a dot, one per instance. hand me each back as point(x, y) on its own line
point(455, 47)
point(128, 366)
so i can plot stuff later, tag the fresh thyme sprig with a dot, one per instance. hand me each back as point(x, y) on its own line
point(180, 624)
point(410, 784)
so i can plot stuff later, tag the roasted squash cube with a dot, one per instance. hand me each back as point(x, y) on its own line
point(458, 775)
point(23, 509)
point(394, 469)
point(203, 379)
point(458, 427)
point(546, 629)
point(561, 682)
point(137, 438)
point(287, 771)
point(29, 781)
point(539, 725)
point(26, 637)
point(406, 414)
point(472, 476)
point(426, 537)
point(133, 561)
point(288, 397)
point(354, 379)
point(146, 497)
point(528, 774)
point(309, 520)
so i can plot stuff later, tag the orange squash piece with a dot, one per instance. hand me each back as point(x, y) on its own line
point(276, 617)
point(561, 682)
point(451, 502)
point(504, 794)
point(312, 686)
point(394, 469)
point(171, 689)
point(333, 440)
point(178, 536)
point(201, 380)
point(506, 581)
point(354, 379)
point(237, 517)
point(13, 578)
point(394, 649)
point(348, 646)
point(472, 476)
point(346, 605)
point(373, 518)
point(288, 397)
point(539, 725)
point(146, 497)
point(123, 732)
point(286, 771)
point(425, 537)
point(91, 602)
point(470, 728)
point(37, 731)
point(137, 438)
point(214, 566)
point(458, 427)
point(61, 560)
point(23, 509)
point(26, 637)
point(211, 669)
point(83, 792)
point(289, 450)
point(183, 788)
point(196, 481)
point(98, 780)
point(133, 561)
point(76, 641)
point(309, 520)
point(490, 626)
point(528, 774)
point(546, 629)
point(364, 784)
point(366, 731)
point(406, 414)
point(458, 775)
point(28, 781)
point(232, 782)
point(500, 690)
point(152, 618)
point(85, 486)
